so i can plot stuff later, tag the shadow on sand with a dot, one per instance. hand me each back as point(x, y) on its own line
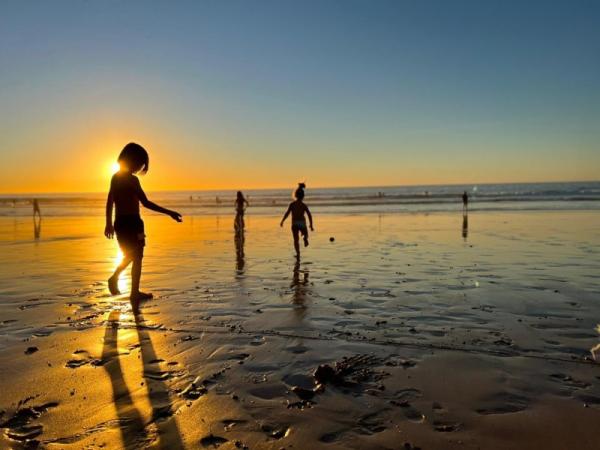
point(161, 430)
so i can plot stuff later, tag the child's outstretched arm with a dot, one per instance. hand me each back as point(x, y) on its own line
point(153, 206)
point(309, 218)
point(109, 230)
point(285, 216)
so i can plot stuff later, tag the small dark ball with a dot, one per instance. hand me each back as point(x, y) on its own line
point(331, 239)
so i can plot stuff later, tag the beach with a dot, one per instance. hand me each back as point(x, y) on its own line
point(432, 330)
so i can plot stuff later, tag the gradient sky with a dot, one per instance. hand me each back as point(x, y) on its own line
point(241, 94)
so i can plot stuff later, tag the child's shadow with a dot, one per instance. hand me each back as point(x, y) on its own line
point(134, 432)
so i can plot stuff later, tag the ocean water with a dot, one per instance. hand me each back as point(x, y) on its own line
point(390, 199)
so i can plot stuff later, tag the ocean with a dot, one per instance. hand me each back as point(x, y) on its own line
point(389, 199)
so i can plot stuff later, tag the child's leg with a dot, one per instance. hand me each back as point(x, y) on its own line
point(295, 233)
point(113, 286)
point(305, 235)
point(136, 273)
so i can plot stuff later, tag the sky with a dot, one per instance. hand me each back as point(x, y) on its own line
point(250, 94)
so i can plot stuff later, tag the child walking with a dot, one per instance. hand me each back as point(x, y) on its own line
point(297, 208)
point(126, 193)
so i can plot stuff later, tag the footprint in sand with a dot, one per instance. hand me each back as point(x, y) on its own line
point(19, 426)
point(275, 431)
point(371, 423)
point(228, 424)
point(212, 441)
point(82, 361)
point(503, 403)
point(446, 427)
point(402, 398)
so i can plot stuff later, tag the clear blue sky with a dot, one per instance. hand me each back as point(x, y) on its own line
point(264, 93)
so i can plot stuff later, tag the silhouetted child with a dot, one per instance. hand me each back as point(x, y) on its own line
point(465, 199)
point(36, 208)
point(126, 193)
point(297, 208)
point(240, 201)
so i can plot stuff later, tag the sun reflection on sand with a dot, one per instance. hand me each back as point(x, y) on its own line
point(125, 278)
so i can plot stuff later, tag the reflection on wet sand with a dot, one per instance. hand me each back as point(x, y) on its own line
point(300, 287)
point(134, 432)
point(238, 226)
point(465, 225)
point(37, 227)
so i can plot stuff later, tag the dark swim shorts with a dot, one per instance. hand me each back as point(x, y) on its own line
point(130, 234)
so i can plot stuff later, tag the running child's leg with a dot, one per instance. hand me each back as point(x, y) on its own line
point(304, 231)
point(295, 233)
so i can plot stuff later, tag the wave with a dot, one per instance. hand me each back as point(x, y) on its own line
point(533, 196)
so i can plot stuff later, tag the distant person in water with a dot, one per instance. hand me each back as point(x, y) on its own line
point(465, 198)
point(240, 201)
point(36, 208)
point(297, 208)
point(126, 193)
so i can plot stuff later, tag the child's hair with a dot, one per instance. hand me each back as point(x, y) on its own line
point(299, 192)
point(135, 157)
point(240, 196)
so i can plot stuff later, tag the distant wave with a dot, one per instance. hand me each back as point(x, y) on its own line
point(533, 196)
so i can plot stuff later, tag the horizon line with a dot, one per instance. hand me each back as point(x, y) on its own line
point(5, 194)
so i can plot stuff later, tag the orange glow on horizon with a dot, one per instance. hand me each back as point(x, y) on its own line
point(179, 162)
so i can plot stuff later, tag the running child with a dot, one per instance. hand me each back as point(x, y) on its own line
point(297, 208)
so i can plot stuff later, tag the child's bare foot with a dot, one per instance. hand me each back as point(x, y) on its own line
point(140, 296)
point(113, 285)
point(136, 298)
point(306, 242)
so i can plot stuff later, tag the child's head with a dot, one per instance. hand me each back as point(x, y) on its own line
point(299, 192)
point(134, 158)
point(240, 196)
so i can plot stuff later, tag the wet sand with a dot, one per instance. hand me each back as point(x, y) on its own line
point(430, 332)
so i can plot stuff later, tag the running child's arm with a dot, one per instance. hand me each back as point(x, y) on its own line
point(285, 216)
point(309, 218)
point(153, 206)
point(109, 230)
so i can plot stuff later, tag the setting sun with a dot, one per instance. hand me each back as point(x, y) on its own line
point(115, 167)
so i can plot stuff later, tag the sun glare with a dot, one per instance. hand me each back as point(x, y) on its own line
point(114, 167)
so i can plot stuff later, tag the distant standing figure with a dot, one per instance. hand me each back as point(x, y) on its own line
point(126, 194)
point(465, 198)
point(240, 201)
point(297, 208)
point(36, 208)
point(37, 219)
